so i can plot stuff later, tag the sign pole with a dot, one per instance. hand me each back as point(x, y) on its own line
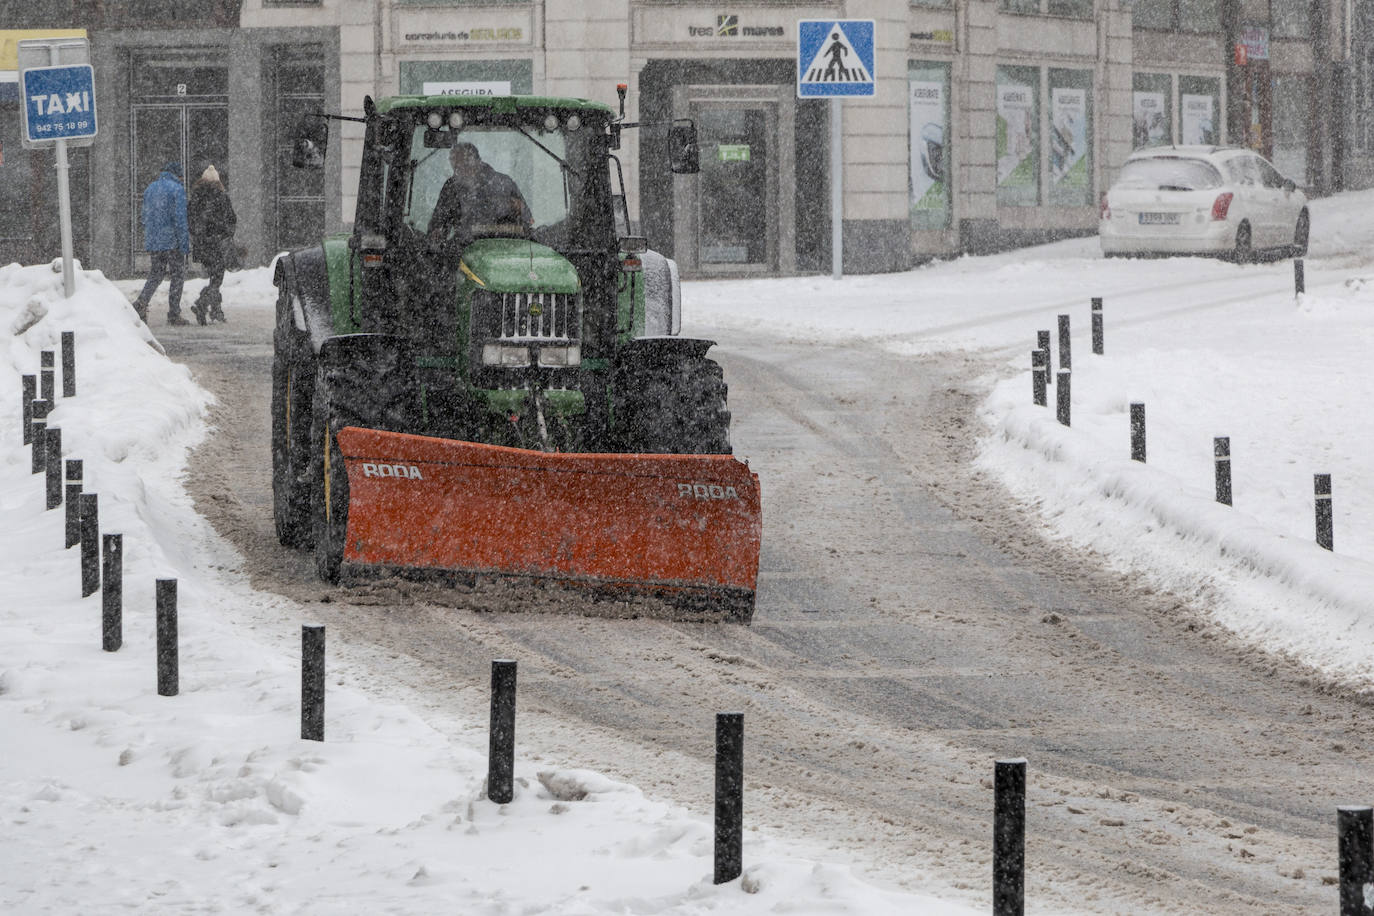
point(836, 188)
point(64, 211)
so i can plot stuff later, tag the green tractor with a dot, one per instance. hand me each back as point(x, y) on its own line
point(485, 378)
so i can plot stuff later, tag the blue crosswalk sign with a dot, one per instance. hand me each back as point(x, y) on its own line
point(59, 102)
point(835, 58)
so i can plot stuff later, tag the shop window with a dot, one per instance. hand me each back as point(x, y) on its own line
point(1290, 19)
point(1018, 136)
point(1152, 110)
point(1292, 102)
point(1071, 138)
point(1199, 110)
point(928, 105)
point(1079, 9)
point(1178, 15)
point(935, 3)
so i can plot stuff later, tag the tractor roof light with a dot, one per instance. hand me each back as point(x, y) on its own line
point(574, 122)
point(551, 122)
point(435, 120)
point(455, 120)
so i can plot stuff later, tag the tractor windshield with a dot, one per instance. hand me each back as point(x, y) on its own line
point(506, 180)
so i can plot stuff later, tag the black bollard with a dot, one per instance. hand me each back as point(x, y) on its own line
point(1321, 489)
point(1137, 431)
point(1009, 838)
point(1061, 398)
point(1097, 325)
point(90, 543)
point(73, 502)
point(1040, 370)
point(1065, 361)
point(1299, 282)
point(68, 364)
point(46, 390)
point(40, 440)
point(1354, 834)
point(52, 458)
point(1042, 341)
point(111, 592)
point(26, 398)
point(501, 747)
point(1221, 456)
point(167, 674)
point(312, 682)
point(729, 796)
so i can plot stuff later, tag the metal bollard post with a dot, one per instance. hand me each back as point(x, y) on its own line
point(1221, 456)
point(312, 682)
point(1065, 360)
point(40, 440)
point(1097, 325)
point(1042, 342)
point(112, 592)
point(1321, 488)
point(52, 459)
point(26, 398)
point(46, 390)
point(1061, 398)
point(1138, 432)
point(1299, 282)
point(1009, 838)
point(1354, 834)
point(167, 673)
point(68, 364)
point(729, 796)
point(90, 543)
point(73, 502)
point(1040, 371)
point(501, 746)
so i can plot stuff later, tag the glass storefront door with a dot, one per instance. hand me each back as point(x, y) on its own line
point(734, 203)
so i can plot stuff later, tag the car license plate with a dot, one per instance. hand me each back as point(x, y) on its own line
point(1159, 219)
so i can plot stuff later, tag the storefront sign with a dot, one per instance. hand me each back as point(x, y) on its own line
point(1068, 137)
point(718, 28)
point(929, 180)
point(493, 87)
point(1151, 119)
point(939, 36)
point(1015, 135)
point(732, 152)
point(1255, 40)
point(429, 28)
point(1198, 119)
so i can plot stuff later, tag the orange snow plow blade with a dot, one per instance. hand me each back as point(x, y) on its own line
point(684, 526)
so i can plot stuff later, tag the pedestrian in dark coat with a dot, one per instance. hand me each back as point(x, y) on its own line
point(212, 223)
point(166, 240)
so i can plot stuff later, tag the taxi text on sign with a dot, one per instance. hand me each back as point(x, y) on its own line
point(59, 103)
point(835, 58)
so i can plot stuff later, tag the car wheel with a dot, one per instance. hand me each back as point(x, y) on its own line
point(1244, 251)
point(1300, 235)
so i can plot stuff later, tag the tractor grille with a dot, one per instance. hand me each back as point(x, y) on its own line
point(536, 316)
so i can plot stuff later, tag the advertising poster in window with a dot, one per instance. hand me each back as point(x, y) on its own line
point(1151, 119)
point(1197, 119)
point(1069, 138)
point(928, 103)
point(1017, 166)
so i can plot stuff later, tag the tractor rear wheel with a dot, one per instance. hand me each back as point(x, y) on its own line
point(293, 379)
point(676, 407)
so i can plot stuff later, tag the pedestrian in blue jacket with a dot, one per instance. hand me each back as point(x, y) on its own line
point(166, 240)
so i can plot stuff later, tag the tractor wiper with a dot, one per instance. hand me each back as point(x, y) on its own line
point(561, 161)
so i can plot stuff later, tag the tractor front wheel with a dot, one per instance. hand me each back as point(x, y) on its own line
point(293, 379)
point(675, 407)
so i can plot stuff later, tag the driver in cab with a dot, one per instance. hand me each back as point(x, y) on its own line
point(475, 197)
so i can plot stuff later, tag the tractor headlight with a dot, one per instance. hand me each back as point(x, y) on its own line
point(435, 120)
point(505, 356)
point(560, 357)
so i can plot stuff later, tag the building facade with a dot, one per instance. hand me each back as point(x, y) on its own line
point(995, 122)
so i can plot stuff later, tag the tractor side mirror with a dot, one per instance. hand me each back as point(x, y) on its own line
point(311, 144)
point(684, 158)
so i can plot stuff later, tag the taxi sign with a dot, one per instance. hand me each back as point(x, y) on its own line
point(59, 103)
point(835, 58)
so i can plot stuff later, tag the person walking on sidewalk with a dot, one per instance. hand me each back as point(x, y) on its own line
point(211, 218)
point(166, 240)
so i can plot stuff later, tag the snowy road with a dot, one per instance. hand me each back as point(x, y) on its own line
point(909, 630)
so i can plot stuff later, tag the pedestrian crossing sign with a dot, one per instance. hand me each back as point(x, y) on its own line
point(834, 58)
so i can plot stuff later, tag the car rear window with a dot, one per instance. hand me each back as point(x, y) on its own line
point(1167, 173)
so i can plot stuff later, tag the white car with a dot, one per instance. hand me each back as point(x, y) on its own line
point(1202, 200)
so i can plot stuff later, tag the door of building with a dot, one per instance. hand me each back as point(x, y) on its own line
point(180, 113)
point(732, 219)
